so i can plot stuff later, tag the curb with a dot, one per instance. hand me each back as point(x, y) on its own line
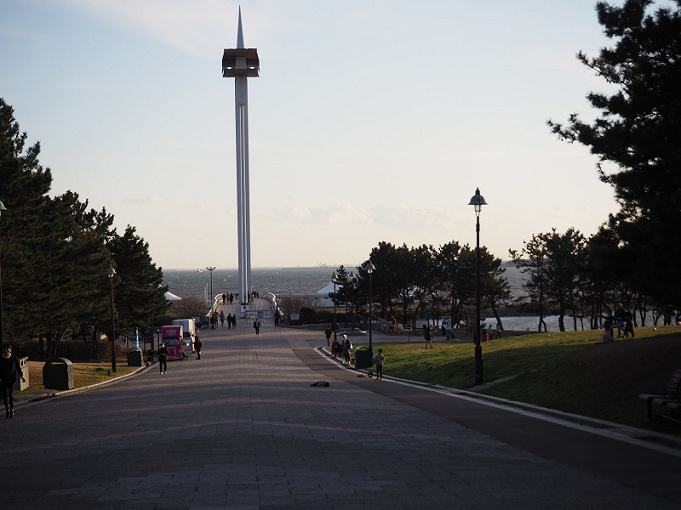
point(644, 437)
point(29, 401)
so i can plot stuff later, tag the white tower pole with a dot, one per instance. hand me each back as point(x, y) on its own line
point(240, 63)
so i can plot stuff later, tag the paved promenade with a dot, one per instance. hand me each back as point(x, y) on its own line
point(243, 429)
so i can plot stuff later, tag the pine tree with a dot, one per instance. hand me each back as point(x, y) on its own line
point(139, 295)
point(637, 138)
point(24, 228)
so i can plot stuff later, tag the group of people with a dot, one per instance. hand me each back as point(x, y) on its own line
point(343, 348)
point(623, 320)
point(490, 333)
point(220, 318)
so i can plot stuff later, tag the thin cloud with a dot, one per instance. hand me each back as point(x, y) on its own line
point(196, 27)
point(188, 25)
point(146, 200)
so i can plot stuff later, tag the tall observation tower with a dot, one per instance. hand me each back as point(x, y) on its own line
point(241, 63)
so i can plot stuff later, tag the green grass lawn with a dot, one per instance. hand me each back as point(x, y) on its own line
point(84, 374)
point(572, 371)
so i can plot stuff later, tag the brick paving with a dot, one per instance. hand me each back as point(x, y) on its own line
point(243, 429)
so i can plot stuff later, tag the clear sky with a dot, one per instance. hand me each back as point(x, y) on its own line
point(372, 120)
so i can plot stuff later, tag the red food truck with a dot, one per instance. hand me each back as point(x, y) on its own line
point(171, 336)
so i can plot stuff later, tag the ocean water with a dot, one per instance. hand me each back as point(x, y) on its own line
point(279, 281)
point(308, 280)
point(290, 280)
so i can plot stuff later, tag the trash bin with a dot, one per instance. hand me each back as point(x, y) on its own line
point(363, 358)
point(20, 385)
point(58, 374)
point(134, 358)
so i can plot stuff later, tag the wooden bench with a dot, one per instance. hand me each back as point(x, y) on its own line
point(671, 398)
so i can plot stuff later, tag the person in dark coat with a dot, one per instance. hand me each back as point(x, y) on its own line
point(9, 369)
point(163, 358)
point(428, 335)
point(197, 346)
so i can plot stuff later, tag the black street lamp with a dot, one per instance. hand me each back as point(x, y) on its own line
point(212, 298)
point(370, 269)
point(349, 284)
point(2, 324)
point(334, 279)
point(111, 272)
point(477, 201)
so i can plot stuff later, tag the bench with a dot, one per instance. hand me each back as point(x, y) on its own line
point(671, 398)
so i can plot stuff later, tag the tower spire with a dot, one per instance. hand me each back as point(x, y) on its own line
point(240, 33)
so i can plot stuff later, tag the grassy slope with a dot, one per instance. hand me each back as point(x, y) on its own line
point(572, 371)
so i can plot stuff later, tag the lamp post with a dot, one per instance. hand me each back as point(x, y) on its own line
point(334, 279)
point(111, 272)
point(2, 324)
point(349, 284)
point(370, 269)
point(477, 201)
point(212, 298)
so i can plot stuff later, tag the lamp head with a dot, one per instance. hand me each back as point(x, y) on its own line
point(477, 201)
point(111, 272)
point(370, 267)
point(2, 207)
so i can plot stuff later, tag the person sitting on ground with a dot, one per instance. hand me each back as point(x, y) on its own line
point(336, 348)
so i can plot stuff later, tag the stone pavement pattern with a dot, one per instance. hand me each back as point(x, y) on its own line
point(243, 429)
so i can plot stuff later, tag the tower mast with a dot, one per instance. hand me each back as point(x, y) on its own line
point(241, 63)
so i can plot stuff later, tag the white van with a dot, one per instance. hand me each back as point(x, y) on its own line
point(188, 331)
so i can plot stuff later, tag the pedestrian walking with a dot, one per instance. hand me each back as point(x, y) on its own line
point(379, 359)
point(347, 346)
point(9, 370)
point(197, 346)
point(327, 333)
point(222, 318)
point(256, 326)
point(163, 358)
point(428, 335)
point(607, 330)
point(628, 324)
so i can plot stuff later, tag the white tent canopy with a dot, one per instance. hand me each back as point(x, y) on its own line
point(329, 289)
point(172, 297)
point(323, 295)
